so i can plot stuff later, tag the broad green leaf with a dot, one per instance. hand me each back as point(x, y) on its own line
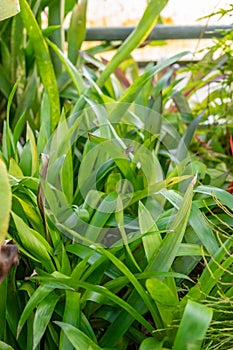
point(217, 267)
point(139, 34)
point(79, 339)
point(100, 218)
point(112, 180)
point(77, 25)
point(19, 128)
point(152, 240)
point(193, 326)
point(44, 133)
point(40, 194)
point(14, 169)
point(164, 298)
point(67, 167)
point(38, 296)
point(65, 262)
point(202, 229)
point(43, 315)
point(171, 243)
point(18, 66)
point(43, 60)
point(131, 93)
point(3, 307)
point(31, 213)
point(197, 221)
point(83, 252)
point(25, 162)
point(71, 69)
point(8, 8)
point(5, 197)
point(187, 249)
point(182, 149)
point(5, 346)
point(151, 344)
point(71, 316)
point(34, 243)
point(157, 187)
point(69, 4)
point(31, 138)
point(181, 103)
point(56, 18)
point(57, 280)
point(99, 160)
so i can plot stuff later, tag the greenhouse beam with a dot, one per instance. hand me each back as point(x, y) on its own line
point(160, 32)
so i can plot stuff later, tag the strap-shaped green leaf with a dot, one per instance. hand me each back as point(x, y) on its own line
point(193, 326)
point(77, 25)
point(43, 315)
point(164, 297)
point(139, 34)
point(171, 243)
point(38, 296)
point(5, 201)
point(79, 339)
point(43, 60)
point(4, 346)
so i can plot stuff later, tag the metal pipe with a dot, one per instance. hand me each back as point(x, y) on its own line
point(160, 32)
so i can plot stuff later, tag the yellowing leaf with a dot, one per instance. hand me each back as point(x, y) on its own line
point(8, 8)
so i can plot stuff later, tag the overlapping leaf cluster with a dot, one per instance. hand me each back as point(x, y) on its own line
point(125, 234)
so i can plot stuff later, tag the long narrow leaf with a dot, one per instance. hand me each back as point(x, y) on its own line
point(193, 326)
point(41, 293)
point(34, 243)
point(65, 282)
point(43, 315)
point(165, 299)
point(131, 93)
point(4, 346)
point(79, 339)
point(185, 141)
point(71, 69)
point(134, 281)
point(3, 309)
point(171, 243)
point(5, 199)
point(71, 316)
point(197, 221)
point(77, 30)
point(55, 18)
point(43, 60)
point(140, 33)
point(147, 224)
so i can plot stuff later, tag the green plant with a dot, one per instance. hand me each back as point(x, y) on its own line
point(113, 210)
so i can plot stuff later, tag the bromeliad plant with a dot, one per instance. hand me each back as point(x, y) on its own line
point(110, 208)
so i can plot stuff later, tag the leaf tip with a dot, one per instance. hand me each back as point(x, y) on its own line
point(194, 180)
